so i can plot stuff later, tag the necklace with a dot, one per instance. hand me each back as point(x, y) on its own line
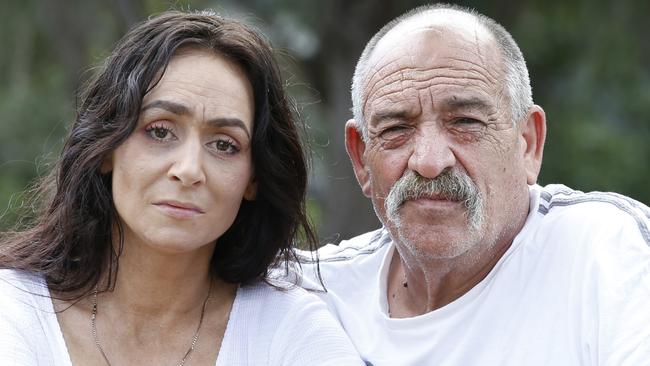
point(195, 338)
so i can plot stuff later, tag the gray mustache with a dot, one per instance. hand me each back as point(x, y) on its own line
point(450, 184)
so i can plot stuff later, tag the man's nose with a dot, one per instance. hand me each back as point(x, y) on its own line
point(187, 165)
point(432, 153)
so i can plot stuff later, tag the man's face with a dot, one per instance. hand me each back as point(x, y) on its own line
point(439, 119)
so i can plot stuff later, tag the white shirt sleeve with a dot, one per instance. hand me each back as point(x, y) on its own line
point(622, 295)
point(15, 348)
point(309, 335)
point(274, 327)
point(22, 338)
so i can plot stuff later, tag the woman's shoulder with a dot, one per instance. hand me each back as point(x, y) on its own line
point(29, 334)
point(23, 294)
point(21, 285)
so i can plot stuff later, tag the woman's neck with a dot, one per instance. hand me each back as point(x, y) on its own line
point(154, 310)
point(154, 282)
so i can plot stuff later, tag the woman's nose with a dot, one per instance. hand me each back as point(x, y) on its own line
point(187, 165)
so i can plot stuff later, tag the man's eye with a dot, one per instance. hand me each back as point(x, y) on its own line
point(466, 124)
point(394, 136)
point(394, 131)
point(467, 121)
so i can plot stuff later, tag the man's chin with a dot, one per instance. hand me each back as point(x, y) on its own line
point(434, 240)
point(438, 248)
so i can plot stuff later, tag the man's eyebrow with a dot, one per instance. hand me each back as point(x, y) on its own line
point(467, 103)
point(388, 114)
point(182, 110)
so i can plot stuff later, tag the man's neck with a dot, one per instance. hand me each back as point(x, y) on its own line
point(418, 286)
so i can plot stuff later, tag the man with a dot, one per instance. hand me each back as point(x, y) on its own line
point(475, 263)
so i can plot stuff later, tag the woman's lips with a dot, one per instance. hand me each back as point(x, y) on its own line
point(179, 209)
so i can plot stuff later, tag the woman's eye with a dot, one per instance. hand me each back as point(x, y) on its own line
point(225, 145)
point(159, 132)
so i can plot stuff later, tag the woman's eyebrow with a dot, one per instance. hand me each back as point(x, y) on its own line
point(173, 107)
point(229, 122)
point(182, 110)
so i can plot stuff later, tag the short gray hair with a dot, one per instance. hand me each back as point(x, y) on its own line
point(517, 81)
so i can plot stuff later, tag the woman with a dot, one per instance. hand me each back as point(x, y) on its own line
point(181, 183)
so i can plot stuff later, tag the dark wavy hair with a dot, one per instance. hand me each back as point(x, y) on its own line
point(70, 239)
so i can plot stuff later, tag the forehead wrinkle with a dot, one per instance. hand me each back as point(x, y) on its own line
point(480, 77)
point(422, 80)
point(371, 84)
point(479, 48)
point(481, 45)
point(482, 48)
point(470, 52)
point(408, 110)
point(473, 66)
point(424, 85)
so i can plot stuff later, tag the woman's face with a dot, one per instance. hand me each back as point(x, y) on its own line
point(180, 177)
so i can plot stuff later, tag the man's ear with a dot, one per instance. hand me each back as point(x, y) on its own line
point(533, 135)
point(356, 148)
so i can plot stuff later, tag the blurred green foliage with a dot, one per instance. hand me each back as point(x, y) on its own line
point(590, 68)
point(589, 63)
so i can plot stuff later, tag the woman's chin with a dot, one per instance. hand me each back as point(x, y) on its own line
point(178, 243)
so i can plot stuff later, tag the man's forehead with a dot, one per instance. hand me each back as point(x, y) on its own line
point(439, 43)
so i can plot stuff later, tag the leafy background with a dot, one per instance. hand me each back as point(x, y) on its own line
point(589, 63)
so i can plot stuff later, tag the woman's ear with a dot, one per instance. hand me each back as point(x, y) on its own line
point(251, 190)
point(107, 165)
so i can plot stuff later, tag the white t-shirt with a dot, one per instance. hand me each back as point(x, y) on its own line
point(266, 327)
point(573, 289)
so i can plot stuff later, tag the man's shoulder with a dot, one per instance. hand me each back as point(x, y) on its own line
point(556, 198)
point(600, 211)
point(358, 248)
point(347, 264)
point(277, 296)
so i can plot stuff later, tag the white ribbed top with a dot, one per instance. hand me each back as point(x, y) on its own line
point(267, 326)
